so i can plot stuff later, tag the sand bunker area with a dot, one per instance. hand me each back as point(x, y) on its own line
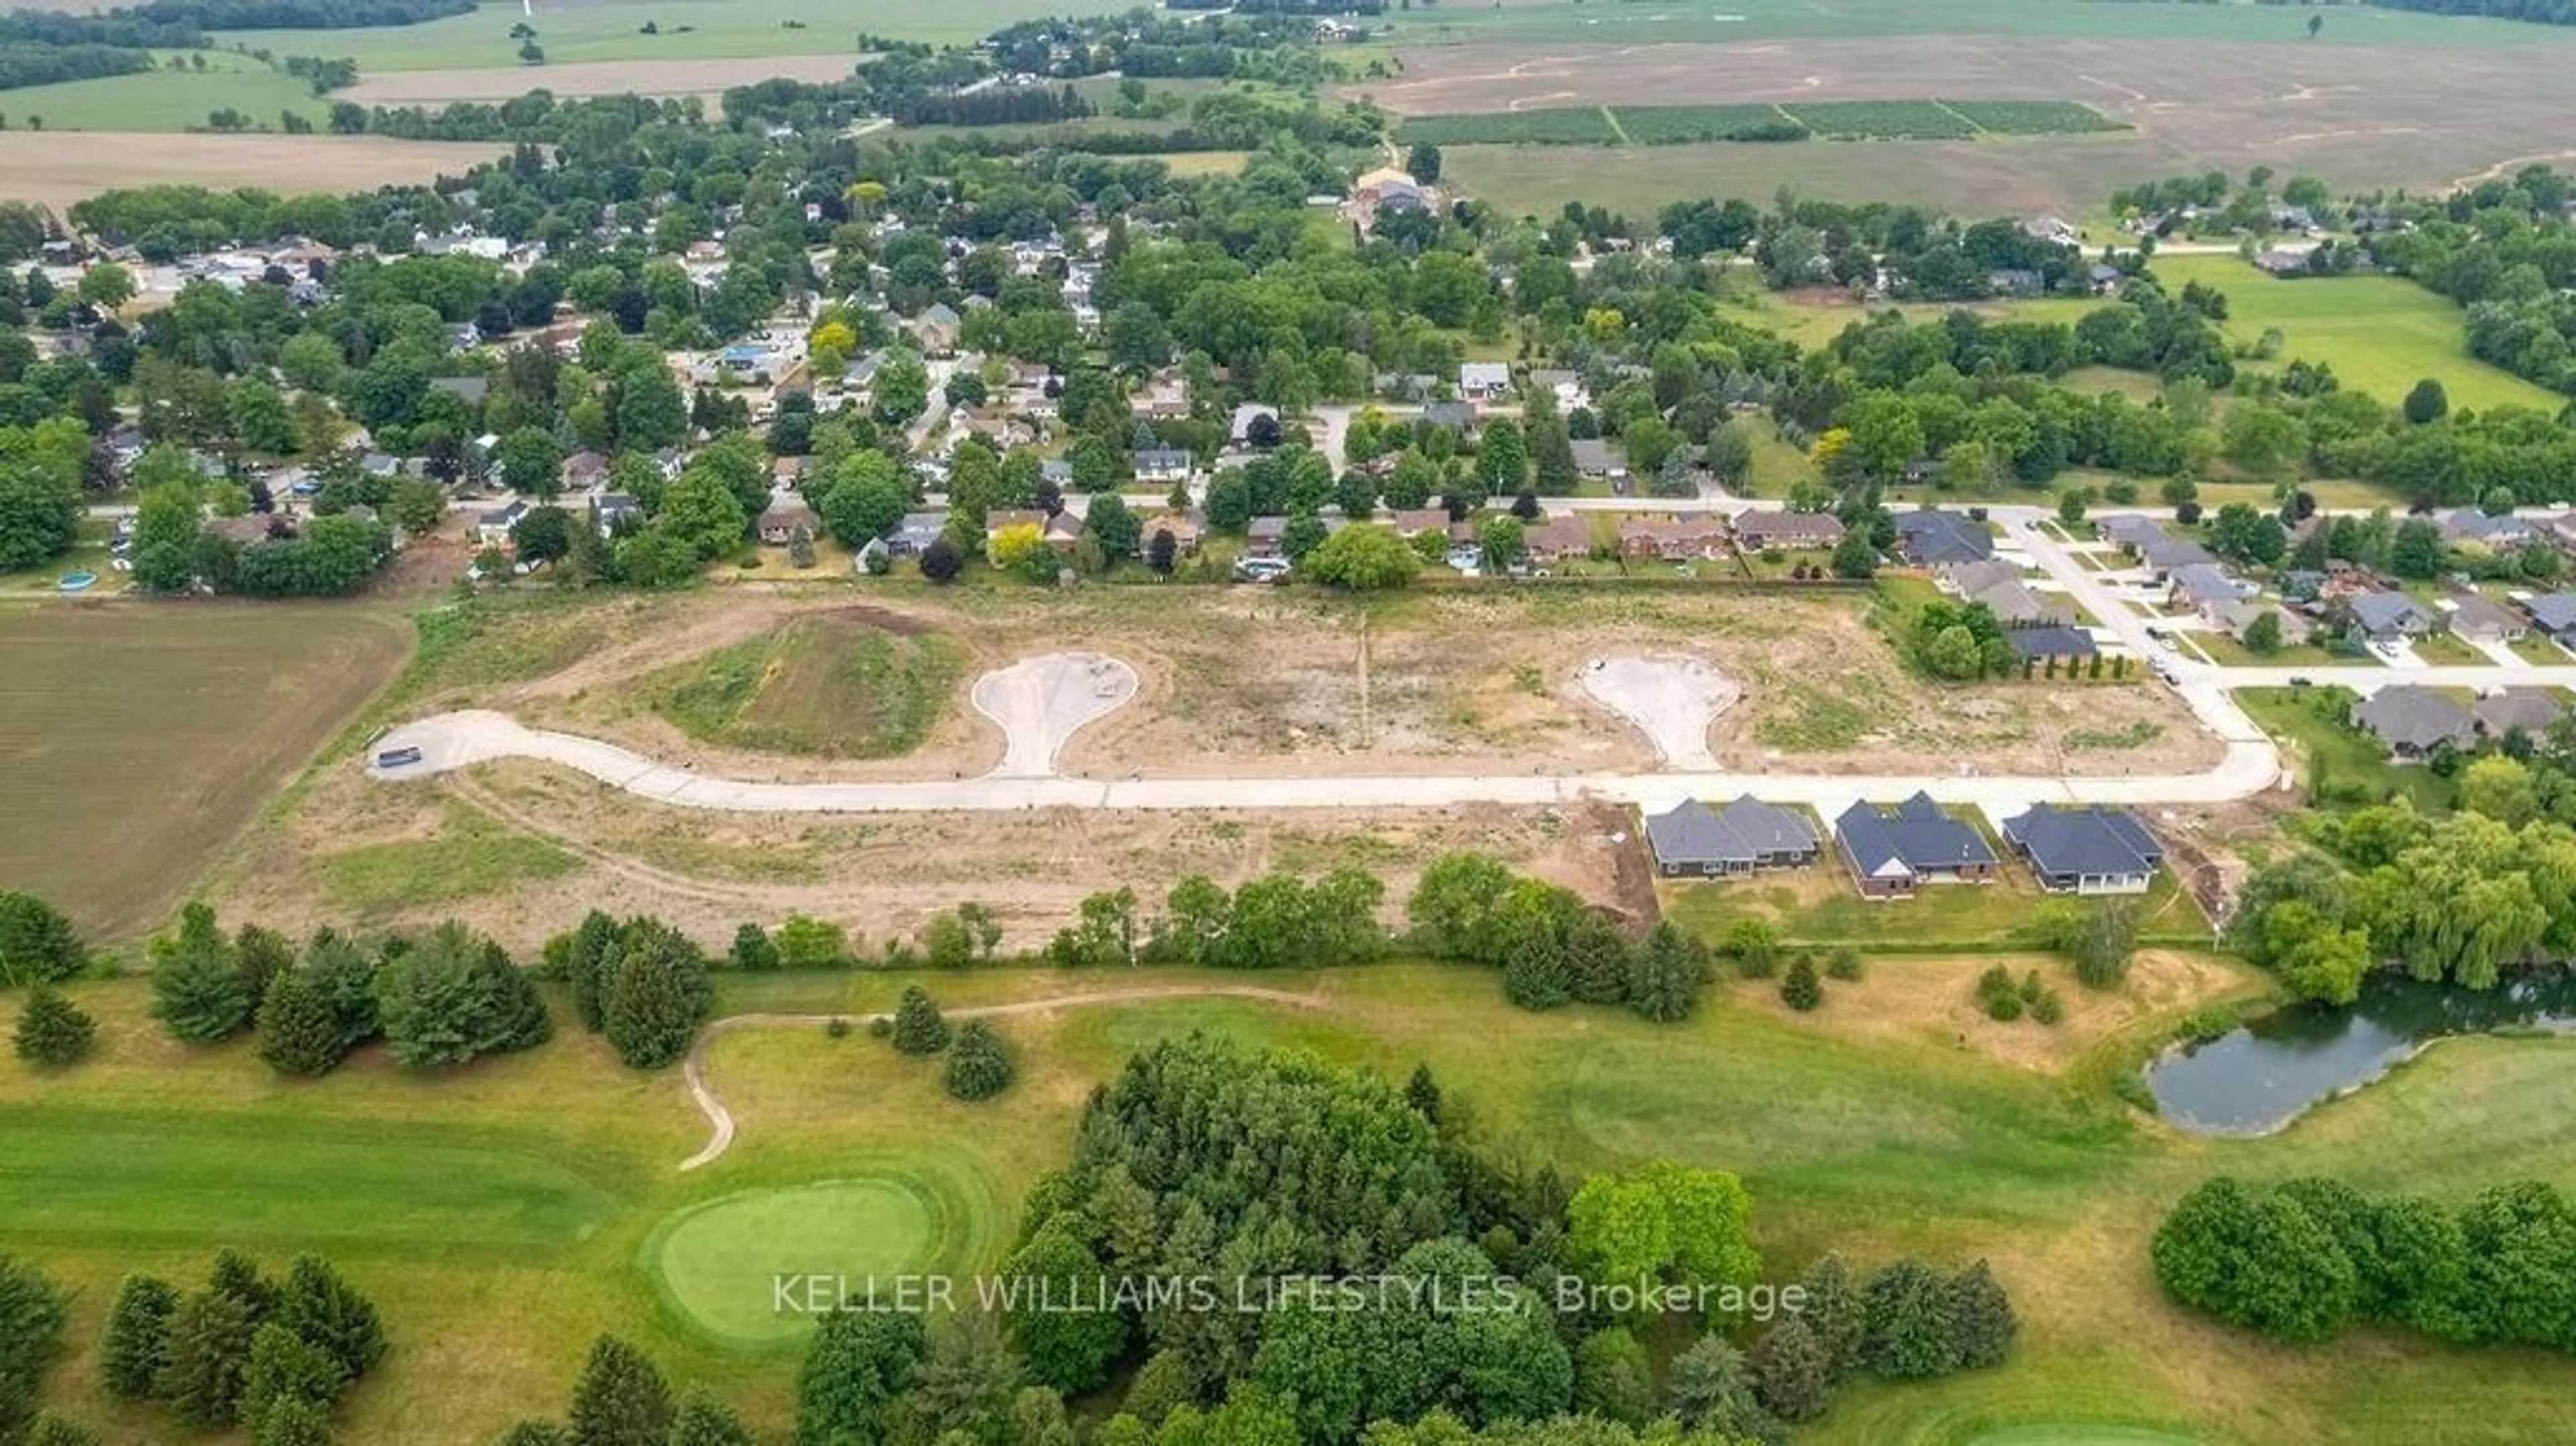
point(1671, 699)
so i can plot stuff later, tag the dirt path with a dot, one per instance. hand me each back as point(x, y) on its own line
point(720, 1119)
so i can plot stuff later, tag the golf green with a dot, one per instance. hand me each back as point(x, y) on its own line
point(754, 1269)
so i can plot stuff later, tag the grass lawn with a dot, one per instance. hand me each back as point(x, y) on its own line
point(2444, 648)
point(2380, 333)
point(137, 738)
point(505, 1214)
point(2540, 648)
point(823, 685)
point(2229, 653)
point(1819, 906)
point(2315, 741)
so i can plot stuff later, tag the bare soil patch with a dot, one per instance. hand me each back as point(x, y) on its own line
point(56, 171)
point(592, 77)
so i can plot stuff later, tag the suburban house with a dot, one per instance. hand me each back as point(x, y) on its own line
point(1967, 579)
point(2093, 850)
point(2163, 556)
point(1891, 854)
point(1676, 539)
point(1413, 521)
point(1567, 387)
point(1594, 458)
point(2473, 617)
point(2533, 710)
point(1002, 519)
point(1263, 537)
point(2553, 613)
point(1160, 464)
point(1692, 839)
point(2412, 719)
point(916, 531)
point(936, 329)
point(1561, 538)
point(1928, 537)
point(584, 470)
point(1063, 531)
point(492, 527)
point(1450, 416)
point(2470, 525)
point(613, 512)
point(2127, 530)
point(784, 515)
point(2051, 641)
point(1762, 530)
point(1245, 416)
point(2239, 617)
point(2384, 615)
point(2208, 589)
point(1184, 528)
point(2016, 606)
point(1484, 381)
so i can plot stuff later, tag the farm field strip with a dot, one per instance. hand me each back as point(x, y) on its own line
point(1836, 120)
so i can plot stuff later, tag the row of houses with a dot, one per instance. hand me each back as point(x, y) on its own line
point(1892, 852)
point(2414, 721)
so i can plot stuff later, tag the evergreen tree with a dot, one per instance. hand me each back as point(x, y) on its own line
point(1981, 1320)
point(979, 1062)
point(1423, 1093)
point(285, 1367)
point(1665, 976)
point(516, 1015)
point(1836, 1313)
point(346, 976)
point(261, 955)
point(237, 1275)
point(706, 1421)
point(1596, 959)
point(584, 964)
point(299, 1026)
point(1800, 989)
point(37, 943)
point(918, 1029)
point(52, 1031)
point(210, 1336)
point(1791, 1372)
point(657, 994)
point(293, 1421)
point(330, 1313)
point(1909, 1323)
point(753, 952)
point(1068, 1350)
point(137, 1344)
point(32, 1317)
point(534, 1433)
point(621, 1399)
point(198, 993)
point(1712, 1391)
point(1613, 1379)
point(453, 997)
point(1534, 971)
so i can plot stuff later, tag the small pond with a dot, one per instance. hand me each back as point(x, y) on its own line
point(2260, 1075)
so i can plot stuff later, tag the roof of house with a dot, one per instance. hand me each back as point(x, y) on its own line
point(2128, 529)
point(1765, 523)
point(1970, 577)
point(2173, 553)
point(2555, 611)
point(2091, 840)
point(1591, 454)
point(2207, 582)
point(1745, 830)
point(938, 313)
point(2410, 715)
point(1450, 414)
point(2051, 642)
point(921, 524)
point(786, 512)
point(2468, 522)
point(1410, 520)
point(1490, 375)
point(2530, 709)
point(2011, 602)
point(470, 389)
point(1269, 528)
point(2381, 612)
point(1159, 459)
point(1559, 534)
point(1934, 536)
point(1918, 836)
point(2471, 613)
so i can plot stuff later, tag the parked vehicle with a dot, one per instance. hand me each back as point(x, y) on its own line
point(397, 757)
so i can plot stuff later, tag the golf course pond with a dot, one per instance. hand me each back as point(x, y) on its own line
point(2262, 1074)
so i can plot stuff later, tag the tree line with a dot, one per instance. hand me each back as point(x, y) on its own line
point(2307, 1259)
point(24, 63)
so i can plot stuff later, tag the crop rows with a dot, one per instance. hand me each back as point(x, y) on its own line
point(1656, 125)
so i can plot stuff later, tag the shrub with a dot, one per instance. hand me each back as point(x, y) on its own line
point(836, 1027)
point(917, 1027)
point(2048, 1008)
point(979, 1063)
point(52, 1031)
point(1754, 947)
point(2005, 1007)
point(1845, 964)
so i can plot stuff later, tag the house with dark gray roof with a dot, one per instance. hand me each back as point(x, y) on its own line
point(1967, 579)
point(2470, 525)
point(1692, 839)
point(1595, 458)
point(2389, 615)
point(1891, 854)
point(2553, 613)
point(2051, 642)
point(2164, 556)
point(1450, 416)
point(2470, 616)
point(2532, 710)
point(2413, 720)
point(2093, 850)
point(2207, 589)
point(916, 531)
point(1763, 529)
point(2016, 606)
point(1929, 537)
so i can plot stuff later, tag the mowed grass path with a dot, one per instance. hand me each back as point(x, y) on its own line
point(135, 739)
point(2381, 334)
point(505, 1215)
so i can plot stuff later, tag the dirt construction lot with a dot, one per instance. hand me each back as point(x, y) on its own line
point(593, 77)
point(1240, 682)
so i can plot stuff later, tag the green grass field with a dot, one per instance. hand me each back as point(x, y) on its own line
point(822, 685)
point(166, 100)
point(2381, 334)
point(503, 1215)
point(718, 1263)
point(137, 738)
point(611, 30)
point(2291, 715)
point(1721, 21)
point(1819, 907)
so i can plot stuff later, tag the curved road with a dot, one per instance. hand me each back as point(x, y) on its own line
point(720, 1120)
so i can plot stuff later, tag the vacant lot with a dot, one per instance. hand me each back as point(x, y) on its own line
point(136, 740)
point(56, 172)
point(598, 77)
point(536, 1181)
point(2381, 334)
point(2360, 111)
point(831, 685)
